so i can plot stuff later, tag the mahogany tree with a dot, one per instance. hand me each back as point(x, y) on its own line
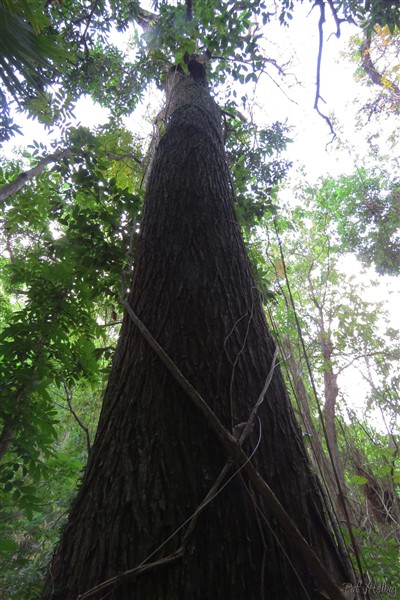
point(170, 431)
point(194, 334)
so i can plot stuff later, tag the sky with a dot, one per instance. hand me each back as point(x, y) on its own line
point(292, 101)
point(339, 89)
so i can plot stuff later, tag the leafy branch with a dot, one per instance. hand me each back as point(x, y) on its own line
point(23, 178)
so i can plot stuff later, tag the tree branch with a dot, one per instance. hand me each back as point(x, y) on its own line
point(76, 417)
point(145, 19)
point(338, 20)
point(89, 19)
point(373, 73)
point(387, 355)
point(23, 178)
point(119, 157)
point(318, 96)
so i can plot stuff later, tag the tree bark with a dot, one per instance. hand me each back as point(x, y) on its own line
point(155, 458)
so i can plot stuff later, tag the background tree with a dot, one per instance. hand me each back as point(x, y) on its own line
point(365, 206)
point(378, 55)
point(326, 327)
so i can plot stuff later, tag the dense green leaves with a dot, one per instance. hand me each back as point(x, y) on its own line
point(366, 211)
point(30, 58)
point(256, 166)
point(32, 509)
point(70, 236)
point(51, 45)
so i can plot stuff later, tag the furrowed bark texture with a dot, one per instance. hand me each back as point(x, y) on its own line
point(154, 457)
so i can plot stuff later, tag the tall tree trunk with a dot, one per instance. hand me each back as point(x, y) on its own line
point(155, 458)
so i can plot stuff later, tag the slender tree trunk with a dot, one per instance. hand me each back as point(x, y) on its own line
point(331, 393)
point(23, 178)
point(322, 463)
point(333, 496)
point(155, 457)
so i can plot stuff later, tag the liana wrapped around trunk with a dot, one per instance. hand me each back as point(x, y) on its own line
point(131, 532)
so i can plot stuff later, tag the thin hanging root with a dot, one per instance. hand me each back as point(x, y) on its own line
point(236, 454)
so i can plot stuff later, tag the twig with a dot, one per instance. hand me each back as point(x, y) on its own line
point(76, 417)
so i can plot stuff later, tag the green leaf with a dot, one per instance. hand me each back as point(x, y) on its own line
point(359, 480)
point(7, 545)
